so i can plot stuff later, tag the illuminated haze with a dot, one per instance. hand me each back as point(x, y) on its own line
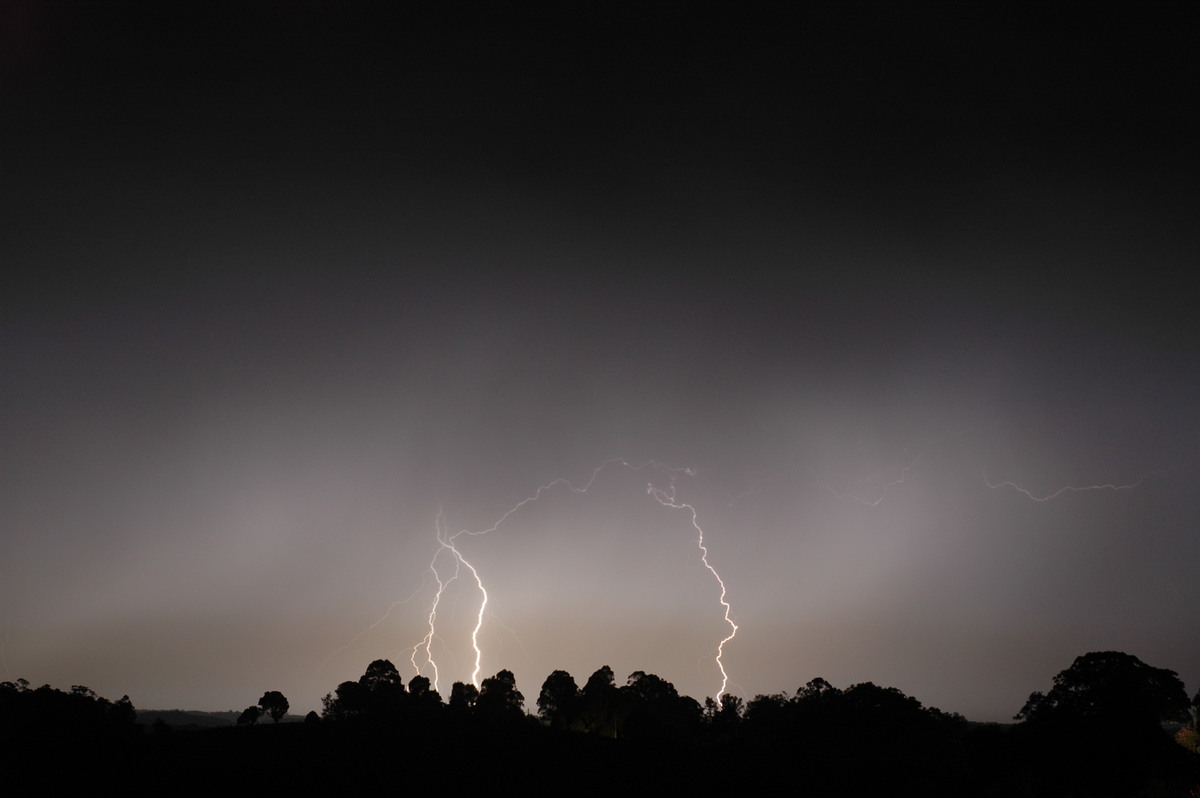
point(278, 295)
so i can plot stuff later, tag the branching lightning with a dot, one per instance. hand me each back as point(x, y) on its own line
point(448, 544)
point(427, 641)
point(449, 561)
point(377, 621)
point(666, 497)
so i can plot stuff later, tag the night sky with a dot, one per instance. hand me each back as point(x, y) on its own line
point(284, 281)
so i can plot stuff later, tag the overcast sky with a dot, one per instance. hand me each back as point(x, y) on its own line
point(907, 290)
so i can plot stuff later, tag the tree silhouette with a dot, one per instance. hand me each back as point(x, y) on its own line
point(558, 699)
point(723, 718)
point(249, 716)
point(652, 709)
point(348, 700)
point(379, 691)
point(77, 714)
point(598, 704)
point(1112, 689)
point(1099, 729)
point(419, 685)
point(122, 712)
point(462, 697)
point(499, 696)
point(381, 676)
point(274, 705)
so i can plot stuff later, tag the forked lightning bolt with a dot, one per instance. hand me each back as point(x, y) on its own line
point(666, 497)
point(427, 641)
point(423, 651)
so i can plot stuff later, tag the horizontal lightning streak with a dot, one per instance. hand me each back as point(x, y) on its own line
point(1068, 488)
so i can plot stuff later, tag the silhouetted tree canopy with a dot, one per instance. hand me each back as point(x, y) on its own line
point(1099, 729)
point(274, 705)
point(78, 714)
point(557, 701)
point(378, 692)
point(463, 696)
point(421, 695)
point(1110, 688)
point(382, 676)
point(499, 696)
point(419, 685)
point(861, 740)
point(598, 704)
point(652, 709)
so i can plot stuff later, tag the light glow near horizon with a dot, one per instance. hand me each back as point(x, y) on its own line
point(422, 656)
point(447, 542)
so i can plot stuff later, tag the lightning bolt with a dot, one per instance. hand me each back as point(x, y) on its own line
point(427, 641)
point(447, 543)
point(1070, 488)
point(483, 602)
point(840, 495)
point(666, 497)
point(364, 632)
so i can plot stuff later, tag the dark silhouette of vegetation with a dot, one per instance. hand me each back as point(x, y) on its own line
point(1111, 689)
point(378, 692)
point(500, 698)
point(1098, 732)
point(463, 698)
point(1189, 734)
point(46, 735)
point(1189, 738)
point(78, 713)
point(1100, 728)
point(423, 699)
point(646, 708)
point(653, 710)
point(274, 705)
point(598, 706)
point(557, 702)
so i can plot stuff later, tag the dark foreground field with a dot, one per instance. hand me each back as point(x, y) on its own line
point(524, 757)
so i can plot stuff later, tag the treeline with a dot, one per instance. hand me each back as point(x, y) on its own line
point(1098, 732)
point(80, 713)
point(1104, 729)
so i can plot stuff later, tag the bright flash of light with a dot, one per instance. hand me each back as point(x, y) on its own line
point(427, 641)
point(448, 543)
point(666, 497)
